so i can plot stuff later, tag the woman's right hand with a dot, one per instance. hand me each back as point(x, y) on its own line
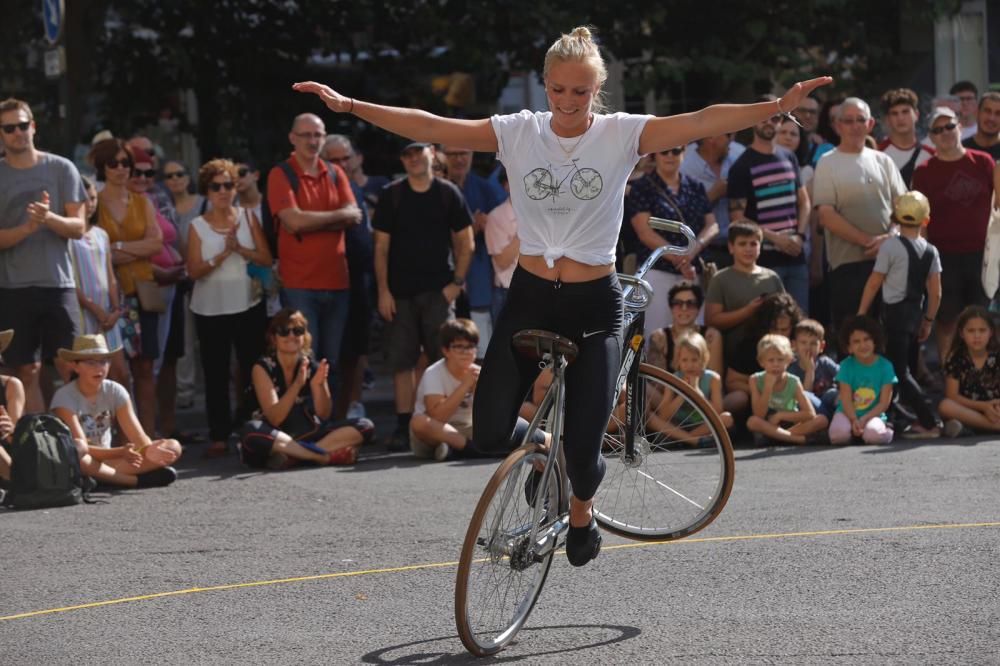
point(132, 457)
point(333, 100)
point(303, 374)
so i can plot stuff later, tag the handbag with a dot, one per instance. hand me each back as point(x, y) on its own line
point(991, 256)
point(708, 268)
point(150, 297)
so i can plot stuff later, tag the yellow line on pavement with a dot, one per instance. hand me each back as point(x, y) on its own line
point(439, 565)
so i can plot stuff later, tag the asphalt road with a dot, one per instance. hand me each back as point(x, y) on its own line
point(869, 555)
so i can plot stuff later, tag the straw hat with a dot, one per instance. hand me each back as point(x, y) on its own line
point(5, 338)
point(88, 347)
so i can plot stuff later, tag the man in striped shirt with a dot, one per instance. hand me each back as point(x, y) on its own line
point(765, 186)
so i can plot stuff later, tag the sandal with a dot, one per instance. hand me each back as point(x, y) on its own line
point(583, 543)
point(345, 456)
point(216, 450)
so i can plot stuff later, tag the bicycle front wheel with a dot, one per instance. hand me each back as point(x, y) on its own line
point(681, 473)
point(498, 579)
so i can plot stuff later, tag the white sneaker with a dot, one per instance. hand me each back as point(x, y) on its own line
point(953, 428)
point(356, 411)
point(441, 452)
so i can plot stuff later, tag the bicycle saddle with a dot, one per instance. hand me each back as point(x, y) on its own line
point(536, 343)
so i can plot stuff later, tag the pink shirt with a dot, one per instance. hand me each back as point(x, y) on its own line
point(168, 257)
point(501, 228)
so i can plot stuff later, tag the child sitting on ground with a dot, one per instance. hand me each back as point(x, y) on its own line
point(865, 380)
point(91, 403)
point(442, 413)
point(674, 416)
point(972, 381)
point(781, 410)
point(906, 267)
point(815, 369)
point(11, 407)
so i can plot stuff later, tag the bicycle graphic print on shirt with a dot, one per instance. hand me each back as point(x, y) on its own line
point(584, 184)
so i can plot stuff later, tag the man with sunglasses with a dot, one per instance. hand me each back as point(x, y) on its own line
point(958, 182)
point(854, 189)
point(765, 186)
point(42, 205)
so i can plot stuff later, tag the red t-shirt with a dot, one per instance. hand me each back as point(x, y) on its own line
point(960, 194)
point(318, 259)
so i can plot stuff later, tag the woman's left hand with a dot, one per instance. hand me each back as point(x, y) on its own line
point(333, 99)
point(794, 95)
point(322, 372)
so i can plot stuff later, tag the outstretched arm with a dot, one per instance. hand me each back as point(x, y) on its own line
point(671, 131)
point(411, 123)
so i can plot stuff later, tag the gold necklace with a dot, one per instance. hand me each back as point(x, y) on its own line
point(569, 153)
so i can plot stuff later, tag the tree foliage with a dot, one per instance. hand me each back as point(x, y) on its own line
point(241, 56)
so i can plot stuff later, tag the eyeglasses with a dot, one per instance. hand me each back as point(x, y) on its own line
point(943, 128)
point(684, 303)
point(174, 174)
point(462, 348)
point(143, 173)
point(967, 98)
point(285, 331)
point(853, 121)
point(115, 164)
point(218, 187)
point(242, 172)
point(338, 160)
point(672, 151)
point(10, 129)
point(310, 135)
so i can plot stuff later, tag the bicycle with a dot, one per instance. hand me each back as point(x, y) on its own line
point(669, 474)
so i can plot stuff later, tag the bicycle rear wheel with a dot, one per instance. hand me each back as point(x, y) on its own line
point(682, 473)
point(498, 582)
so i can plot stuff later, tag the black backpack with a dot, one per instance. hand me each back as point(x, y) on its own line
point(45, 468)
point(267, 222)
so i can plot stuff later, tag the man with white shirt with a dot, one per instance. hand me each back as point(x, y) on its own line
point(900, 114)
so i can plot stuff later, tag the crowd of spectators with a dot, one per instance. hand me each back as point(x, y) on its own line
point(818, 250)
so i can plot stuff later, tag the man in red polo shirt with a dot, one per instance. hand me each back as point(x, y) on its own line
point(312, 216)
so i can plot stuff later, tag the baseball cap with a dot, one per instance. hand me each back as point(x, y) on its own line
point(412, 145)
point(912, 208)
point(942, 111)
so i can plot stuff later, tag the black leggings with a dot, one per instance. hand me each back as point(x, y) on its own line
point(590, 314)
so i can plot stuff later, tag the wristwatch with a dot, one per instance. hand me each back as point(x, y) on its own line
point(458, 281)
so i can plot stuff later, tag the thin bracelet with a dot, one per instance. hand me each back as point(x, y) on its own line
point(778, 103)
point(351, 110)
point(786, 114)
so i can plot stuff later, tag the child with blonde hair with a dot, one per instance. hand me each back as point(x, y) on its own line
point(781, 410)
point(674, 416)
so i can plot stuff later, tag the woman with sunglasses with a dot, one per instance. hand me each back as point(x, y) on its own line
point(228, 309)
point(571, 165)
point(685, 300)
point(291, 406)
point(666, 192)
point(130, 222)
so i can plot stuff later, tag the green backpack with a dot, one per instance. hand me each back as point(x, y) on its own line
point(45, 468)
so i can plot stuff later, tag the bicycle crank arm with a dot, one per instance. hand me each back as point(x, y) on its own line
point(549, 540)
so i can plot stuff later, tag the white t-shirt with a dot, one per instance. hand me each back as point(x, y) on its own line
point(436, 380)
point(228, 289)
point(501, 228)
point(96, 415)
point(568, 194)
point(861, 188)
point(902, 156)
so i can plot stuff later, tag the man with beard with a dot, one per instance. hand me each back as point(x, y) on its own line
point(765, 186)
point(987, 136)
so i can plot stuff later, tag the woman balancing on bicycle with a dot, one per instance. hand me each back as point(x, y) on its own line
point(568, 168)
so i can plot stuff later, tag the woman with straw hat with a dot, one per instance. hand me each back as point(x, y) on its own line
point(91, 403)
point(11, 406)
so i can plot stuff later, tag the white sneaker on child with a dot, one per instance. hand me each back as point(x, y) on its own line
point(953, 428)
point(441, 452)
point(356, 411)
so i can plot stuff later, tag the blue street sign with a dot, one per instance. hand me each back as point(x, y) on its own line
point(52, 17)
